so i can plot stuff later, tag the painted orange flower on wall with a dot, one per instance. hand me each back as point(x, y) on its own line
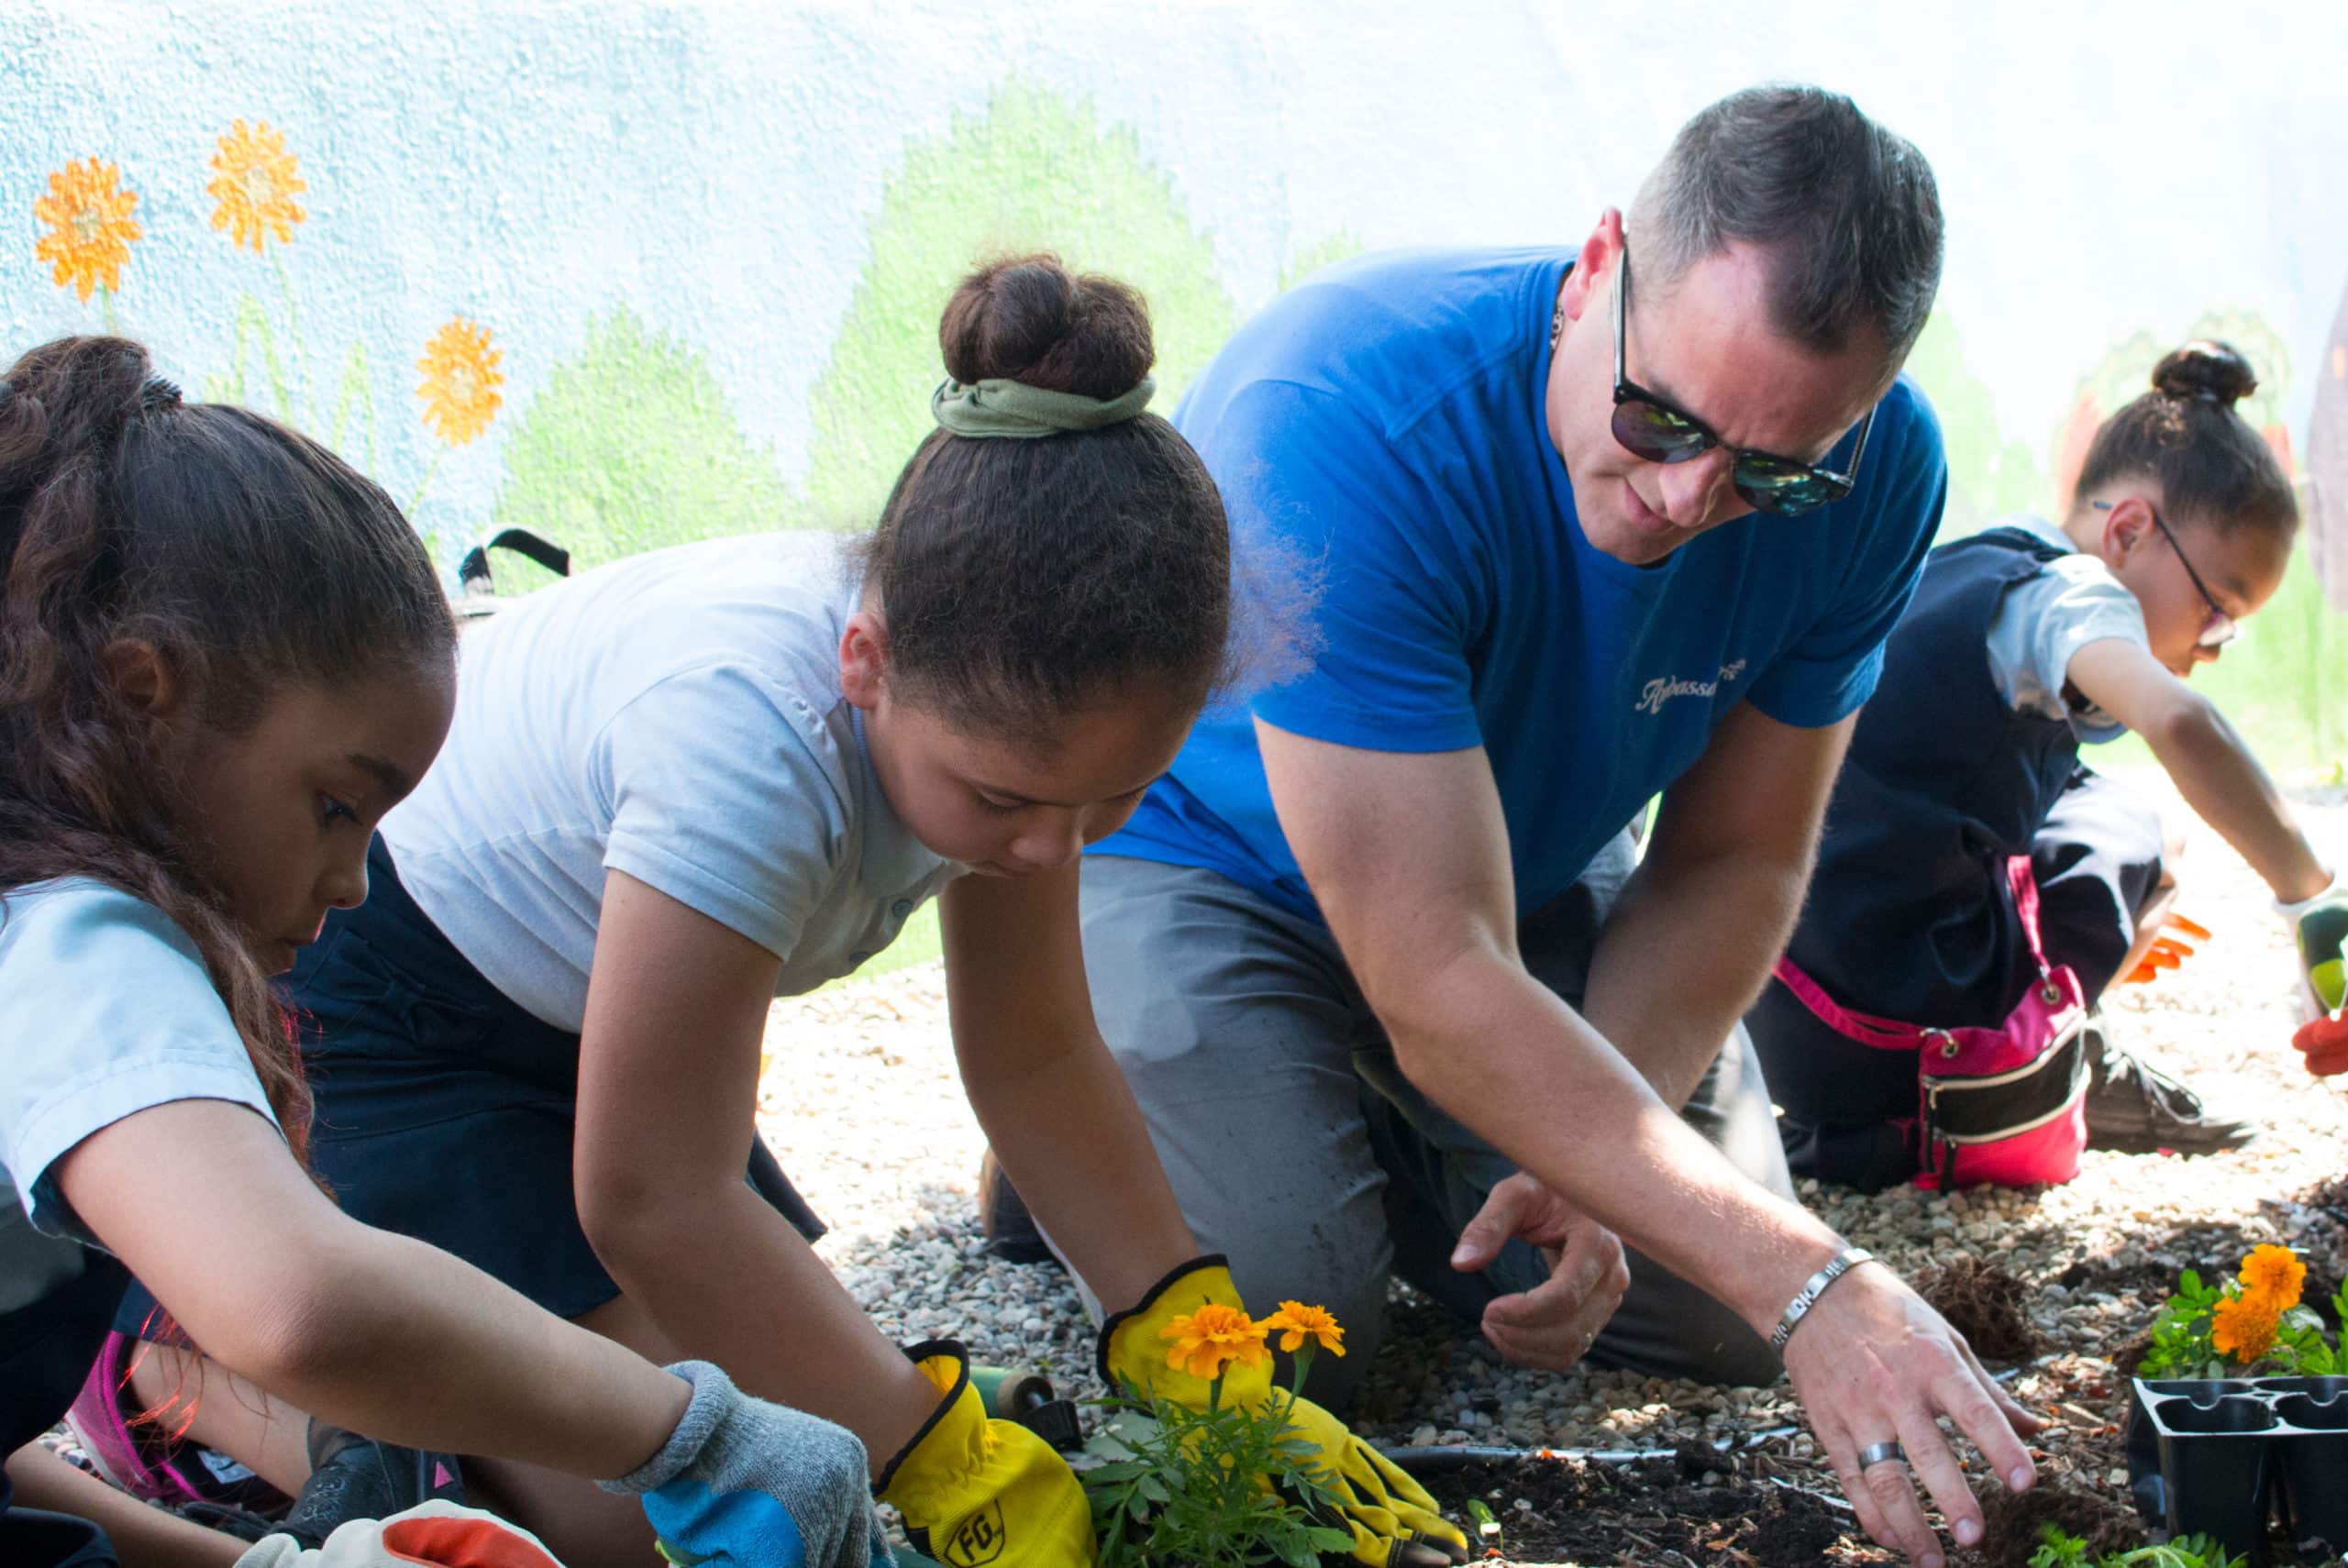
point(91, 228)
point(461, 381)
point(255, 183)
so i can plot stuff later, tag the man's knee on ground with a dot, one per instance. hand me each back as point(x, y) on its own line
point(1667, 1328)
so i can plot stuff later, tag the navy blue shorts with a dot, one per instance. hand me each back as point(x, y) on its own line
point(1848, 1107)
point(445, 1111)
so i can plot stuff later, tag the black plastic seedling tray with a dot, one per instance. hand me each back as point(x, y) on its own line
point(2217, 1457)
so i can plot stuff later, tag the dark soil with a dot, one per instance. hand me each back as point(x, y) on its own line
point(1655, 1514)
point(1985, 1303)
point(2012, 1521)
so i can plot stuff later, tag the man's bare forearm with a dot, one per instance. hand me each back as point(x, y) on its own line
point(1683, 955)
point(1497, 1050)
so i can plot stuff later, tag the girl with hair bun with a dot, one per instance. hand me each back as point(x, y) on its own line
point(1968, 858)
point(223, 657)
point(687, 783)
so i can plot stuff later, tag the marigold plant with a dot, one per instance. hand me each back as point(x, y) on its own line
point(2251, 1322)
point(2243, 1327)
point(1213, 1339)
point(91, 228)
point(1294, 1321)
point(1227, 1486)
point(2274, 1276)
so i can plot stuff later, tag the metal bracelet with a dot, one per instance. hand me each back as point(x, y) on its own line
point(1815, 1287)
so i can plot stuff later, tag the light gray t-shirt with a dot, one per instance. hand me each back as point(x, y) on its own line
point(2046, 620)
point(676, 716)
point(105, 1011)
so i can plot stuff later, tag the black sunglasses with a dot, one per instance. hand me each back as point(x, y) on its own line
point(1651, 429)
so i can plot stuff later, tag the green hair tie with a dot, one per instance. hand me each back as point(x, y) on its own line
point(995, 407)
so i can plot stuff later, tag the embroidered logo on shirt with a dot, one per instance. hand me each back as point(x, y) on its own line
point(1662, 688)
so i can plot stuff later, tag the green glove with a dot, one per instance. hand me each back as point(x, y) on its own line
point(1393, 1521)
point(981, 1492)
point(2318, 928)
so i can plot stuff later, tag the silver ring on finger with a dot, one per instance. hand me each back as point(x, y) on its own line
point(1877, 1453)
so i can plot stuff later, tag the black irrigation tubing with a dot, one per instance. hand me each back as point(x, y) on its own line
point(1433, 1461)
point(1457, 1456)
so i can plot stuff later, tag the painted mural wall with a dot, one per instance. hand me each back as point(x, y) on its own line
point(629, 274)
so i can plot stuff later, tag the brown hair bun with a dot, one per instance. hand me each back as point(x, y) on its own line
point(1029, 319)
point(2205, 368)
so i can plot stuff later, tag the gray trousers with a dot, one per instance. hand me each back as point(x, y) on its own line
point(1295, 1146)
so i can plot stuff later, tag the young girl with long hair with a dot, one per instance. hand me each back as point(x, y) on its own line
point(1967, 857)
point(223, 657)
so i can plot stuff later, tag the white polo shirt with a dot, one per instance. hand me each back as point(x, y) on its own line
point(676, 716)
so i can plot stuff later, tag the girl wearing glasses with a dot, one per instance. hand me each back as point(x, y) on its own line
point(2023, 644)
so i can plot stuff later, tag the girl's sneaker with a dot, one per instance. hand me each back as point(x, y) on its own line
point(353, 1477)
point(140, 1458)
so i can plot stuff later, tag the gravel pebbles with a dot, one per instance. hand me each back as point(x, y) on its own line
point(875, 1130)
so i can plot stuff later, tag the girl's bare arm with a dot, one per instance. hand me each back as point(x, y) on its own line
point(370, 1330)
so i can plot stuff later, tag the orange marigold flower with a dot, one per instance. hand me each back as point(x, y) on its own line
point(89, 227)
point(255, 185)
point(1294, 1321)
point(461, 381)
point(2275, 1275)
point(2244, 1328)
point(1212, 1339)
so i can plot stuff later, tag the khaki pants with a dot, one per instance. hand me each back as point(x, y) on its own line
point(1296, 1147)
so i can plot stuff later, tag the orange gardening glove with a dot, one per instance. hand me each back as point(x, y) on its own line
point(2168, 950)
point(2325, 1044)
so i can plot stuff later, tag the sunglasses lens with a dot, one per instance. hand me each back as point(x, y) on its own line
point(1786, 493)
point(1655, 434)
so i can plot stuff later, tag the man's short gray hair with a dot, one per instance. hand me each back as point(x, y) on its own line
point(1848, 210)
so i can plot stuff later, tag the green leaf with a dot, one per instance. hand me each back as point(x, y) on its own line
point(1116, 1470)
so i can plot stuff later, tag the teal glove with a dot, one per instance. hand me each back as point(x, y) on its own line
point(2318, 928)
point(759, 1486)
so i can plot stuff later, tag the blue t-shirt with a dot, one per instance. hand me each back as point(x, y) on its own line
point(107, 1011)
point(1384, 423)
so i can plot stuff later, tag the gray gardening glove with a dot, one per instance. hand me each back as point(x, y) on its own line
point(743, 1482)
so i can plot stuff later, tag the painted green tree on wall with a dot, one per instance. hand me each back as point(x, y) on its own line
point(1988, 475)
point(1034, 172)
point(631, 446)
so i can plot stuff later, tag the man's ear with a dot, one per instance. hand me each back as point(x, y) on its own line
point(1595, 267)
point(864, 659)
point(143, 677)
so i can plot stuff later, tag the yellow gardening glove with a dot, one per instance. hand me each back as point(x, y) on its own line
point(1393, 1520)
point(981, 1492)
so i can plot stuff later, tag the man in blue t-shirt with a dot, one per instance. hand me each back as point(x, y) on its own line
point(1374, 955)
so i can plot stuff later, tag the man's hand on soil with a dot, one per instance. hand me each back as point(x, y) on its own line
point(1552, 1325)
point(1873, 1362)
